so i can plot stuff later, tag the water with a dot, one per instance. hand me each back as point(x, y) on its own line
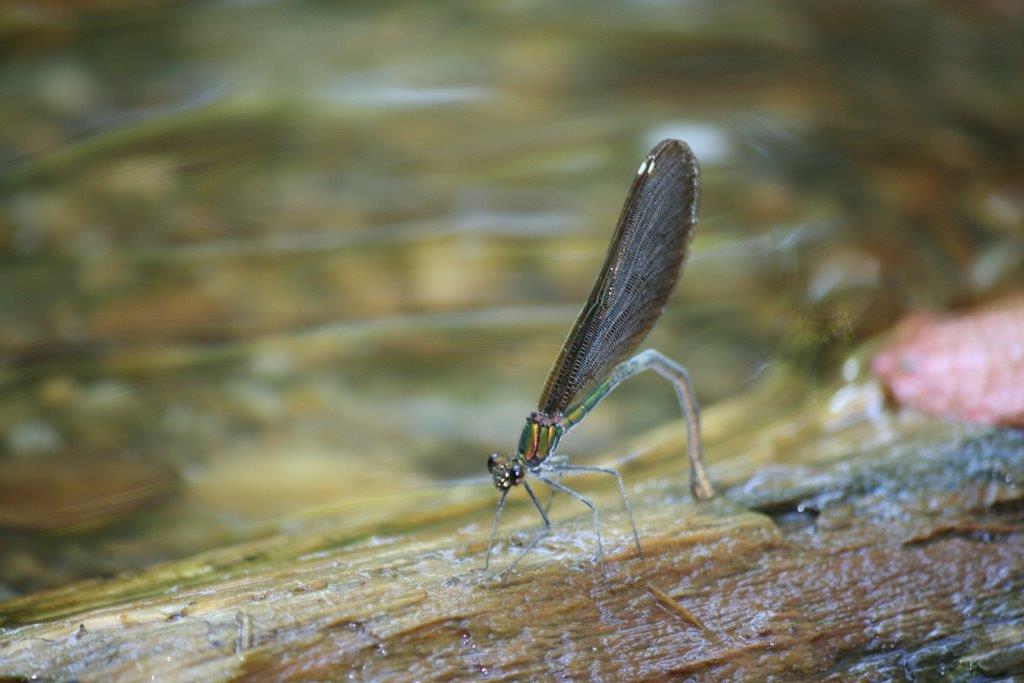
point(262, 256)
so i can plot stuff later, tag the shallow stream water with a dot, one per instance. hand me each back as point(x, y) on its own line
point(257, 257)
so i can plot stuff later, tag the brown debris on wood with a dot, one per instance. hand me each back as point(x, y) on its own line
point(674, 605)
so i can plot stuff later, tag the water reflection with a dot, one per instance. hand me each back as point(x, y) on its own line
point(262, 256)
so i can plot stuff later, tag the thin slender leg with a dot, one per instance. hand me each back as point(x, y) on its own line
point(536, 539)
point(494, 527)
point(622, 492)
point(554, 462)
point(551, 498)
point(700, 483)
point(593, 510)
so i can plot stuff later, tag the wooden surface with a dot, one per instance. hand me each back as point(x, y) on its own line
point(849, 543)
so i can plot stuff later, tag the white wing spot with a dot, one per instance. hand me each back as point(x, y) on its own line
point(643, 167)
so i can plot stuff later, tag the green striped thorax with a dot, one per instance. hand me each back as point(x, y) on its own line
point(538, 441)
point(540, 437)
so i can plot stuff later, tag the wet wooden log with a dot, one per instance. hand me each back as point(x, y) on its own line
point(847, 544)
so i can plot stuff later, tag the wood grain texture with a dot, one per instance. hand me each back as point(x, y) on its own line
point(879, 548)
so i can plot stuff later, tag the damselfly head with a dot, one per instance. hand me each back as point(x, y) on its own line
point(506, 473)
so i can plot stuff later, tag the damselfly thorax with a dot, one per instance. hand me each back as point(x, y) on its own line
point(540, 437)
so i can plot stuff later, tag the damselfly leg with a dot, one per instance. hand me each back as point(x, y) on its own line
point(593, 509)
point(700, 483)
point(552, 463)
point(584, 469)
point(536, 539)
point(494, 527)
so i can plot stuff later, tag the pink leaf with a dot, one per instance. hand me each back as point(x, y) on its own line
point(969, 366)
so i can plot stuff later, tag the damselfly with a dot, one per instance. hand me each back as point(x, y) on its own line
point(646, 255)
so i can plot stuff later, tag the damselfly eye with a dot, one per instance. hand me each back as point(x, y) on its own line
point(492, 462)
point(516, 473)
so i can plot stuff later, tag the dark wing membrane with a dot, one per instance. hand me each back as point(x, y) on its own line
point(647, 252)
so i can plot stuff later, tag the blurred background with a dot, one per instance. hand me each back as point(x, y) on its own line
point(262, 256)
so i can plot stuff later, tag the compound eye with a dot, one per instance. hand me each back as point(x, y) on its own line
point(492, 462)
point(517, 473)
